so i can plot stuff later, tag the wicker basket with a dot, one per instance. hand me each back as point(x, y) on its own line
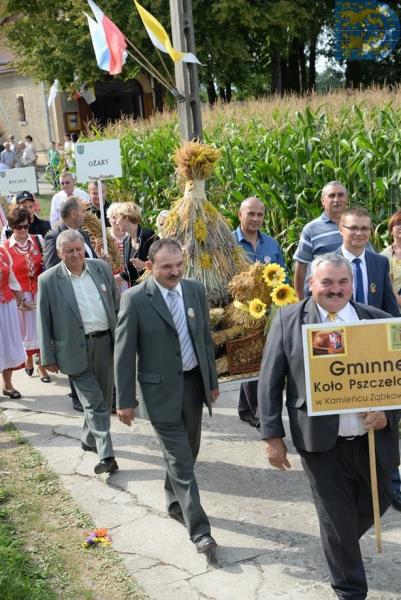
point(245, 353)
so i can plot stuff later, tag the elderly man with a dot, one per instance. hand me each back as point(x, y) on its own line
point(7, 156)
point(72, 213)
point(257, 245)
point(333, 449)
point(77, 312)
point(320, 235)
point(94, 200)
point(163, 323)
point(68, 189)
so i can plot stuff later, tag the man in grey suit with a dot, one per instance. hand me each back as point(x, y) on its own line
point(77, 312)
point(333, 449)
point(164, 322)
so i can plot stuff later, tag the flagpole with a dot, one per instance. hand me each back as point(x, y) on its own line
point(154, 74)
point(169, 79)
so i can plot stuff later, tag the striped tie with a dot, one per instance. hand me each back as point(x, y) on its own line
point(187, 350)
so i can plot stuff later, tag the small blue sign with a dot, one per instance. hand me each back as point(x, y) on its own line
point(365, 30)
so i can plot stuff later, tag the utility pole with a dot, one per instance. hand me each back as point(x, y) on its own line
point(186, 74)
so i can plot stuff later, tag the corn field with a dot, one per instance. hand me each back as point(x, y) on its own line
point(283, 150)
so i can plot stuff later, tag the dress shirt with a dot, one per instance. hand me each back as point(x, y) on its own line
point(350, 423)
point(164, 292)
point(267, 249)
point(90, 305)
point(59, 198)
point(364, 270)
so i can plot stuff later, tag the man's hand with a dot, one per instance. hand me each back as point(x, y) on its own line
point(276, 452)
point(126, 415)
point(374, 420)
point(53, 368)
point(214, 394)
point(138, 263)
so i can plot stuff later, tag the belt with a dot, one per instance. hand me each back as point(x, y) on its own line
point(96, 334)
point(191, 372)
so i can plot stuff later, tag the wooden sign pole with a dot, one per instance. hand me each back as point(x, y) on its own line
point(375, 495)
point(102, 217)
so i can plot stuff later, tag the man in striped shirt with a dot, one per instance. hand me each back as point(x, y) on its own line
point(320, 235)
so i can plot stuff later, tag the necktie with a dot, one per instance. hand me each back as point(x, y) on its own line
point(187, 351)
point(360, 294)
point(332, 316)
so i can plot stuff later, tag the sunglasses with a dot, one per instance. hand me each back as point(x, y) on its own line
point(20, 227)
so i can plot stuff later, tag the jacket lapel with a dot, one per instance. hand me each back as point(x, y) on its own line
point(67, 291)
point(190, 303)
point(311, 313)
point(157, 301)
point(369, 269)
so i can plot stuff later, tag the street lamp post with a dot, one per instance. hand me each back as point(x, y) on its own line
point(186, 74)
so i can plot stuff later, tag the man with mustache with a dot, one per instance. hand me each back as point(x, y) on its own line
point(164, 325)
point(333, 449)
point(320, 235)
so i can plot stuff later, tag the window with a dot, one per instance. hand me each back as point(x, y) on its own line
point(21, 109)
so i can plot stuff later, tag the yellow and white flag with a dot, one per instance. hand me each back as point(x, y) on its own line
point(159, 37)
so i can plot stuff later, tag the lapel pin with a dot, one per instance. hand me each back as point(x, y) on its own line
point(103, 287)
point(191, 313)
point(373, 288)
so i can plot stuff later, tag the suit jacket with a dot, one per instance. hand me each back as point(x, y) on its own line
point(50, 256)
point(60, 329)
point(146, 237)
point(283, 361)
point(146, 331)
point(380, 291)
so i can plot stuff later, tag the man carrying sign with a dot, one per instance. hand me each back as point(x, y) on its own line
point(333, 449)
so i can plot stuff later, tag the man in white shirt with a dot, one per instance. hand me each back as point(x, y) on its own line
point(29, 153)
point(67, 189)
point(77, 311)
point(333, 449)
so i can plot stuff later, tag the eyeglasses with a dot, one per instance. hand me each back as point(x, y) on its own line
point(65, 182)
point(355, 229)
point(20, 227)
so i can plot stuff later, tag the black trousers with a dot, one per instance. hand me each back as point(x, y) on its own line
point(248, 399)
point(340, 482)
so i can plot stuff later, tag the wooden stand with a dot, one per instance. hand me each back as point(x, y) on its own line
point(375, 495)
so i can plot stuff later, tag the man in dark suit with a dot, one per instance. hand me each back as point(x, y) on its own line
point(72, 213)
point(164, 322)
point(371, 279)
point(77, 312)
point(333, 449)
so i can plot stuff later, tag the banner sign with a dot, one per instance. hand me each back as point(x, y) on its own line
point(365, 30)
point(98, 160)
point(352, 367)
point(18, 180)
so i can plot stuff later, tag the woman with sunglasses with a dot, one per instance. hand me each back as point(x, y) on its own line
point(12, 351)
point(26, 253)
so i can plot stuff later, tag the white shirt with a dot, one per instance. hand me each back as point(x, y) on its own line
point(350, 423)
point(59, 198)
point(90, 305)
point(364, 270)
point(164, 292)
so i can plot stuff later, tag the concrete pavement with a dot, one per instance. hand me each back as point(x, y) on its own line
point(263, 520)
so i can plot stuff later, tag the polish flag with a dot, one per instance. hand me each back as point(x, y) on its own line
point(108, 41)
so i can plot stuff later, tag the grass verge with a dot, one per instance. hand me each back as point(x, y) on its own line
point(41, 557)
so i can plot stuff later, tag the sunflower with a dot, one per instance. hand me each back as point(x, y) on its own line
point(257, 308)
point(273, 274)
point(283, 294)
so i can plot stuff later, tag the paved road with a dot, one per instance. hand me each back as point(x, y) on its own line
point(264, 520)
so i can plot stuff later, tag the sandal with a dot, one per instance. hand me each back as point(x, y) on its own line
point(45, 378)
point(13, 394)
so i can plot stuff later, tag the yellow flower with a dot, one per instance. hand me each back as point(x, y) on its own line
point(283, 294)
point(273, 274)
point(205, 261)
point(200, 230)
point(257, 308)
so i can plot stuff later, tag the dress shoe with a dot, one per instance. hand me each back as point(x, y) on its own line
point(76, 405)
point(177, 516)
point(87, 448)
point(106, 465)
point(29, 371)
point(396, 499)
point(13, 394)
point(249, 418)
point(45, 378)
point(205, 543)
